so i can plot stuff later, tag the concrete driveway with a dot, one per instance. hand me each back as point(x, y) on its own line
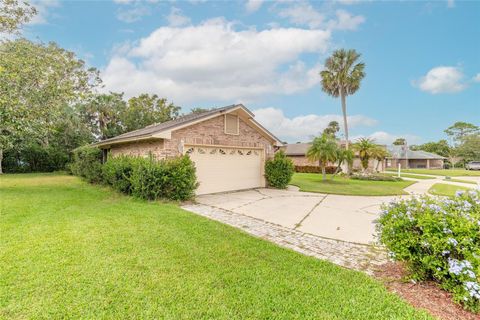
point(346, 218)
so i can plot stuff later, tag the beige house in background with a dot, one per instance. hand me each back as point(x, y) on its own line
point(228, 146)
point(297, 151)
point(413, 159)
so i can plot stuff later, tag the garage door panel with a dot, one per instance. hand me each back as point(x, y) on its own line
point(227, 169)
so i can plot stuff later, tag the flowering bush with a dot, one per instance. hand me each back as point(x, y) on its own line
point(438, 239)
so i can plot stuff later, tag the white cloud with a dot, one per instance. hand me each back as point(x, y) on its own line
point(43, 10)
point(133, 14)
point(442, 80)
point(302, 128)
point(213, 61)
point(477, 78)
point(346, 21)
point(176, 18)
point(305, 14)
point(253, 5)
point(382, 137)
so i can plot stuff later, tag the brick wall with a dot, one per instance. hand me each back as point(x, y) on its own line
point(209, 132)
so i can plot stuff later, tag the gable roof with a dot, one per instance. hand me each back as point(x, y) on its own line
point(155, 130)
point(400, 152)
point(297, 149)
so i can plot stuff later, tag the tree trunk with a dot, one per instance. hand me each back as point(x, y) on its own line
point(324, 174)
point(1, 159)
point(345, 123)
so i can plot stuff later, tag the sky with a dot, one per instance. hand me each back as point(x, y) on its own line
point(422, 58)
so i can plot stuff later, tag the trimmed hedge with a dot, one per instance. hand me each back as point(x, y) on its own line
point(118, 171)
point(279, 170)
point(375, 177)
point(438, 239)
point(172, 179)
point(87, 163)
point(315, 169)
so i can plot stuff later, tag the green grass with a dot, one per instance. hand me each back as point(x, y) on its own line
point(443, 189)
point(312, 182)
point(461, 181)
point(443, 172)
point(413, 176)
point(70, 250)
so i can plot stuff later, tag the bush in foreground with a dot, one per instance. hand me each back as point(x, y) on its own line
point(172, 179)
point(439, 240)
point(117, 172)
point(87, 163)
point(279, 170)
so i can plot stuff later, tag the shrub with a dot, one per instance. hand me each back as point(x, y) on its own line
point(279, 170)
point(87, 163)
point(172, 179)
point(375, 177)
point(118, 171)
point(438, 239)
point(315, 169)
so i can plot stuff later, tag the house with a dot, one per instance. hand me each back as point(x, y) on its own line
point(413, 159)
point(297, 153)
point(227, 145)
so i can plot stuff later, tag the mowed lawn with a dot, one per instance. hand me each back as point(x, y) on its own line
point(312, 182)
point(443, 189)
point(72, 250)
point(443, 172)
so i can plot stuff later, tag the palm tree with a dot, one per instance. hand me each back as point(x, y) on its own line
point(365, 148)
point(379, 153)
point(343, 156)
point(324, 149)
point(342, 77)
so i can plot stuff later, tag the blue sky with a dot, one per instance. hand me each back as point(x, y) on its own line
point(422, 58)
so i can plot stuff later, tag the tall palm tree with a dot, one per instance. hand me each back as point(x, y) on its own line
point(341, 78)
point(324, 149)
point(365, 148)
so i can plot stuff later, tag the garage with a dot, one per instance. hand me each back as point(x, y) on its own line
point(221, 169)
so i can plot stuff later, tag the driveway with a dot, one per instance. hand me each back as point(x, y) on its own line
point(346, 218)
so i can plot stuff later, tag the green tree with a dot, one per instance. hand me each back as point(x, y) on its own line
point(324, 149)
point(343, 156)
point(13, 14)
point(342, 77)
point(441, 147)
point(366, 149)
point(379, 153)
point(103, 113)
point(36, 81)
point(470, 148)
point(459, 130)
point(332, 128)
point(147, 109)
point(400, 142)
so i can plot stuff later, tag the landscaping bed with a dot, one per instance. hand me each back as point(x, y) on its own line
point(311, 182)
point(74, 250)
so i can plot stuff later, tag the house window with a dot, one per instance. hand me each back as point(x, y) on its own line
point(231, 124)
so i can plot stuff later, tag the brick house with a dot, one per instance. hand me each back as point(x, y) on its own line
point(413, 159)
point(297, 153)
point(227, 145)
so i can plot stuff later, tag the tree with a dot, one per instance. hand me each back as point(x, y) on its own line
point(341, 78)
point(366, 148)
point(147, 109)
point(332, 128)
point(324, 149)
point(470, 148)
point(441, 147)
point(459, 130)
point(379, 153)
point(400, 142)
point(343, 156)
point(13, 14)
point(36, 82)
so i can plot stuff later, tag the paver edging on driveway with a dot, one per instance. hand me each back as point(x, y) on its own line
point(350, 255)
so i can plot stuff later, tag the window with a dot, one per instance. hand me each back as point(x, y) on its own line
point(231, 124)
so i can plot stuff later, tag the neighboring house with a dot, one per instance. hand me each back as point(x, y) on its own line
point(413, 159)
point(297, 152)
point(227, 145)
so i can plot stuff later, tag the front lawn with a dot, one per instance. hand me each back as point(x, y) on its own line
point(312, 182)
point(443, 172)
point(72, 250)
point(443, 189)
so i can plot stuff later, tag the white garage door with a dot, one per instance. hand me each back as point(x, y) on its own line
point(221, 169)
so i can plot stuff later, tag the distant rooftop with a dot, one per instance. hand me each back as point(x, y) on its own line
point(401, 152)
